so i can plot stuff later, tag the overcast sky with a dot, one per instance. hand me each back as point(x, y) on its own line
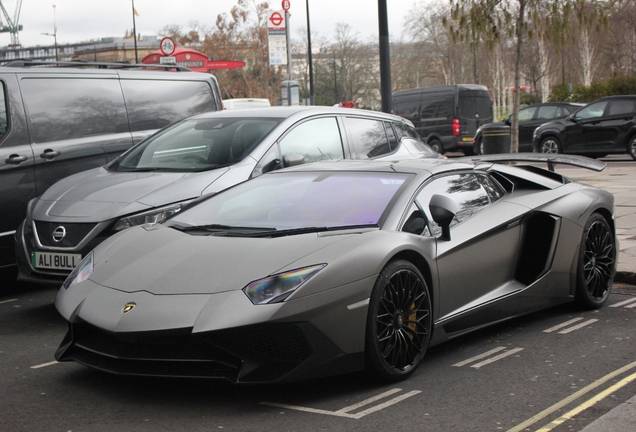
point(82, 20)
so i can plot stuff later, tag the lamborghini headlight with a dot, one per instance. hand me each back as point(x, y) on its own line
point(277, 288)
point(81, 272)
point(157, 215)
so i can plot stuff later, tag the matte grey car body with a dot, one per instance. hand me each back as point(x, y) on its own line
point(199, 156)
point(338, 266)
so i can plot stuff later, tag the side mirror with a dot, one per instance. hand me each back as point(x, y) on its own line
point(507, 120)
point(271, 166)
point(293, 159)
point(443, 209)
point(572, 117)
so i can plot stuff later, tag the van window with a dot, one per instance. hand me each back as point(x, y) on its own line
point(368, 137)
point(3, 110)
point(471, 105)
point(407, 107)
point(437, 109)
point(153, 104)
point(67, 108)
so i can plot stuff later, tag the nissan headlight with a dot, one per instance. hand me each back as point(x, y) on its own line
point(81, 272)
point(153, 216)
point(277, 288)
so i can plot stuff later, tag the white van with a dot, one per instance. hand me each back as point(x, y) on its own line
point(245, 103)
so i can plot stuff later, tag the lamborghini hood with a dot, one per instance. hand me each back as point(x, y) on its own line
point(165, 261)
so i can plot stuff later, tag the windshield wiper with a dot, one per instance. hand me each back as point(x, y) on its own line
point(307, 230)
point(213, 228)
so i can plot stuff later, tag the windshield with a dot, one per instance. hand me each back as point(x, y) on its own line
point(293, 200)
point(197, 145)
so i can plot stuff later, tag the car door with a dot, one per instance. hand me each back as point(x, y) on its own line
point(583, 130)
point(17, 177)
point(614, 126)
point(527, 125)
point(74, 123)
point(476, 266)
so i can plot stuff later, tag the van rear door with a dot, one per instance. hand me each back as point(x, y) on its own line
point(475, 109)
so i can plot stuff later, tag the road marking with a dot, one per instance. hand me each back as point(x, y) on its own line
point(576, 327)
point(495, 358)
point(44, 365)
point(345, 412)
point(624, 303)
point(565, 324)
point(8, 301)
point(588, 403)
point(630, 306)
point(369, 401)
point(479, 357)
point(557, 406)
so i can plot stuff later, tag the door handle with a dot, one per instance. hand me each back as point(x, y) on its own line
point(15, 159)
point(49, 154)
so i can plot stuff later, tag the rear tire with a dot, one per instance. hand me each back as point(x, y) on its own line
point(436, 145)
point(597, 261)
point(399, 322)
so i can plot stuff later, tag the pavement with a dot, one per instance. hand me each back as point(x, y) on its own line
point(620, 180)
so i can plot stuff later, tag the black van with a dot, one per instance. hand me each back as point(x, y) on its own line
point(447, 117)
point(57, 119)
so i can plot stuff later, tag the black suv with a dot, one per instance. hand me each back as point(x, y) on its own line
point(530, 118)
point(602, 127)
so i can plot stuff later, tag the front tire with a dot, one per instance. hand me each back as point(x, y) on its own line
point(597, 260)
point(550, 145)
point(399, 321)
point(631, 147)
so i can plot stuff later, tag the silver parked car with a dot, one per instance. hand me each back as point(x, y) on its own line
point(338, 266)
point(201, 155)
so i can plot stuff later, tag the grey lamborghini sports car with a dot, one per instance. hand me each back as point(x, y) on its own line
point(339, 266)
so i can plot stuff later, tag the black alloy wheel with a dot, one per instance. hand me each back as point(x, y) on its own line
point(399, 321)
point(597, 260)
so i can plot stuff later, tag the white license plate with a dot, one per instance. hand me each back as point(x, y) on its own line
point(56, 261)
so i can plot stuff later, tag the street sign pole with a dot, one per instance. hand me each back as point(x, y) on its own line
point(289, 64)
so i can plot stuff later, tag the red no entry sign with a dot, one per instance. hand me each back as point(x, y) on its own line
point(276, 18)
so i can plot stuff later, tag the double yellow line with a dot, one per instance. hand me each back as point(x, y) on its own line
point(588, 403)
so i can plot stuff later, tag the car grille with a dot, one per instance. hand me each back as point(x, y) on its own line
point(75, 233)
point(271, 351)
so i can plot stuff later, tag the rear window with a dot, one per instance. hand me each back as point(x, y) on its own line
point(471, 105)
point(153, 104)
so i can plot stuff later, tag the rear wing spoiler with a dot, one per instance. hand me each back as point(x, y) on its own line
point(550, 159)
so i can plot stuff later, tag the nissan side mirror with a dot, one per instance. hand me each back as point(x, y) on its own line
point(443, 209)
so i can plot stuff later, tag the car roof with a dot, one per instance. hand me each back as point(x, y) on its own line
point(289, 111)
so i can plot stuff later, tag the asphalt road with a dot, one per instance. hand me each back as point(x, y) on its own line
point(491, 380)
